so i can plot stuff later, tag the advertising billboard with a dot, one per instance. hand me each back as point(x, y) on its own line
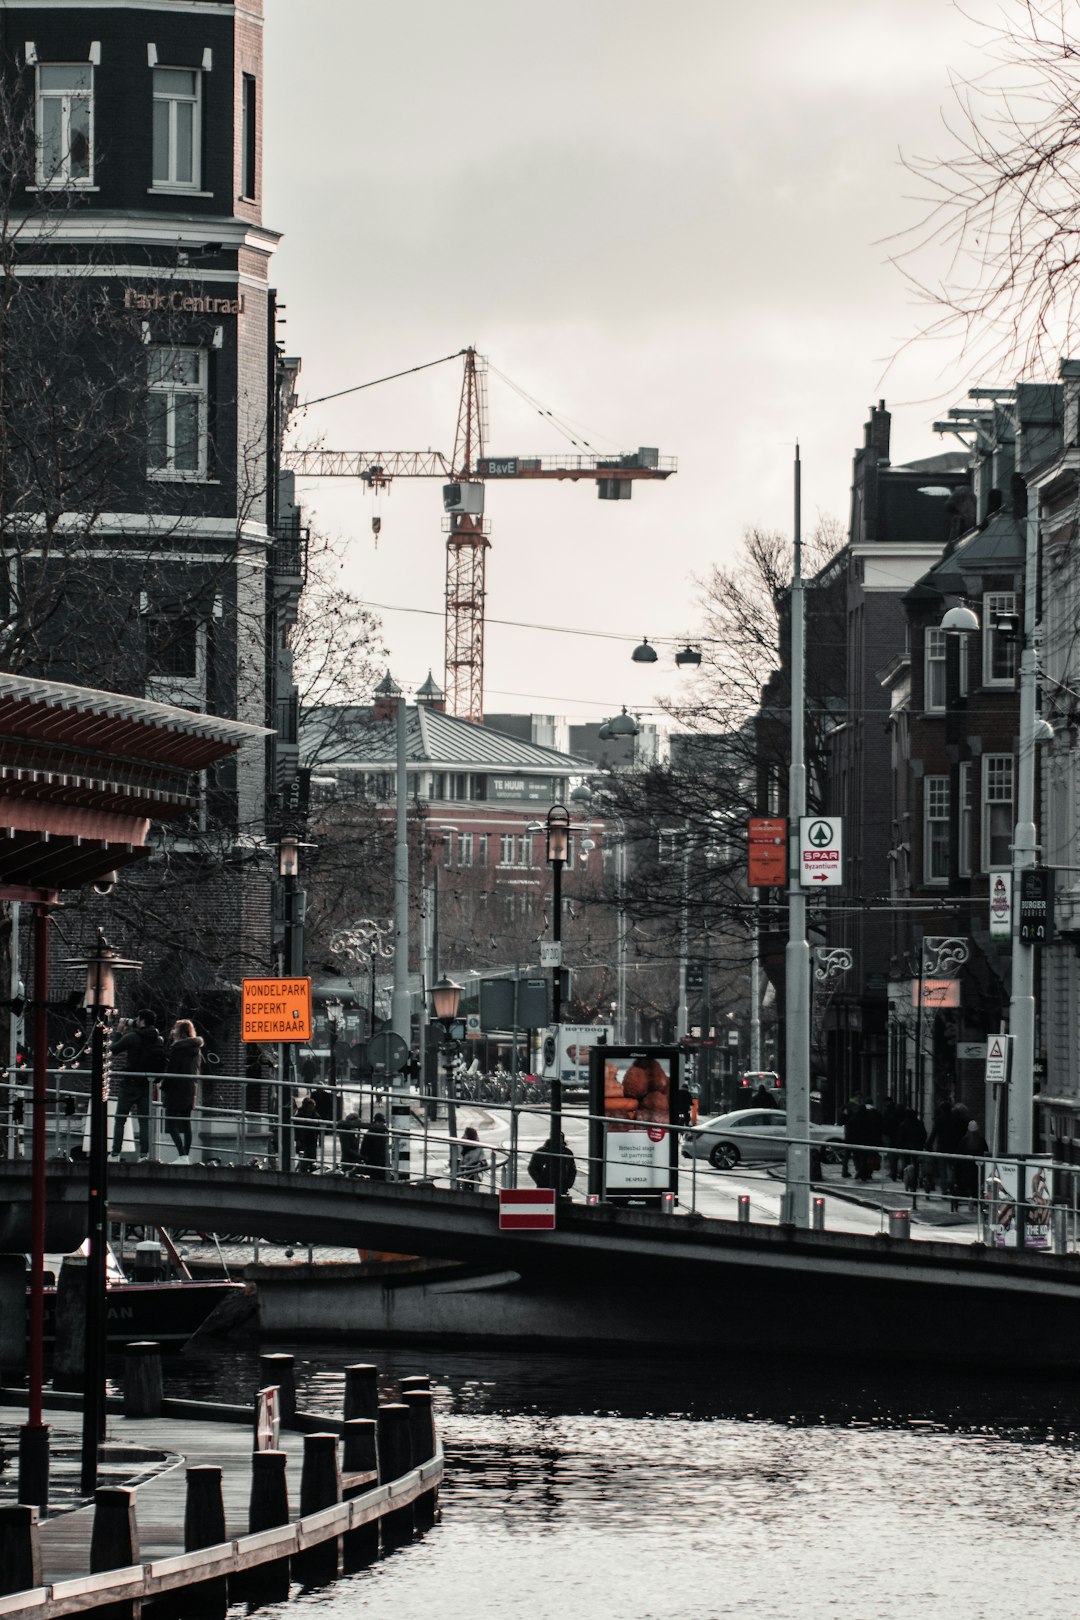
point(576, 1042)
point(635, 1096)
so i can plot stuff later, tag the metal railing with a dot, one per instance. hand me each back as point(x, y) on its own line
point(331, 1141)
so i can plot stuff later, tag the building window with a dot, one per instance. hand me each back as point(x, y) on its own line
point(465, 848)
point(448, 849)
point(65, 124)
point(667, 845)
point(936, 829)
point(172, 646)
point(525, 847)
point(965, 827)
point(177, 127)
point(177, 413)
point(999, 650)
point(506, 849)
point(248, 150)
point(997, 825)
point(934, 670)
point(482, 849)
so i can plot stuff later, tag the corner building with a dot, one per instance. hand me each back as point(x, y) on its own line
point(143, 200)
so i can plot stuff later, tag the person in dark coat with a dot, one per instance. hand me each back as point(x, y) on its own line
point(554, 1167)
point(867, 1129)
point(349, 1139)
point(375, 1149)
point(179, 1087)
point(910, 1139)
point(472, 1161)
point(143, 1051)
point(306, 1134)
point(972, 1146)
point(763, 1099)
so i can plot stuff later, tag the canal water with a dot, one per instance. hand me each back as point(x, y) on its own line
point(621, 1487)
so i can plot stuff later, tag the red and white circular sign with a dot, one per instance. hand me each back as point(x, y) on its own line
point(656, 1134)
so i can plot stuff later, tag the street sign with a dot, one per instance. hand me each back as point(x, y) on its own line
point(997, 1059)
point(695, 975)
point(526, 1209)
point(275, 1010)
point(473, 1032)
point(766, 852)
point(387, 1053)
point(1000, 905)
point(1037, 905)
point(551, 954)
point(821, 851)
point(936, 992)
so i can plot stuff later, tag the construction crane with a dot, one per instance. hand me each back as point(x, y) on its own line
point(465, 474)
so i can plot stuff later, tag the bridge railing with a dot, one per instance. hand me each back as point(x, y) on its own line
point(323, 1130)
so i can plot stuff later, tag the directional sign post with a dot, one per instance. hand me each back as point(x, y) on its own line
point(821, 851)
point(767, 852)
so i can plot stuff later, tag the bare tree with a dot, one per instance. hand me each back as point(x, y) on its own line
point(1003, 201)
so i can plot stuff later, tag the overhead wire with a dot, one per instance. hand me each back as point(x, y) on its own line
point(375, 381)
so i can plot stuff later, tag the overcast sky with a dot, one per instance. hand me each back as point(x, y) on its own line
point(664, 223)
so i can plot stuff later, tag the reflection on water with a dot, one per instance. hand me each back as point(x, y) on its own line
point(700, 1487)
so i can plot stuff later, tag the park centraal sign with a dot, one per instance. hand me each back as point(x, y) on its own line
point(174, 301)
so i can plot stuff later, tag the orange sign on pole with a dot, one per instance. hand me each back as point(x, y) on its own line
point(767, 849)
point(276, 1010)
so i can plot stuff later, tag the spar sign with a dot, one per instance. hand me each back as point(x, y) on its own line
point(821, 851)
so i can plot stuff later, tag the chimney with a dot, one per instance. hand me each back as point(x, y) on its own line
point(877, 430)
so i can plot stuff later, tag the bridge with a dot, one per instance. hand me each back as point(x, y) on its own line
point(607, 1274)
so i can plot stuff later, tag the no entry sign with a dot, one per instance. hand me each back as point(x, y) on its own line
point(526, 1209)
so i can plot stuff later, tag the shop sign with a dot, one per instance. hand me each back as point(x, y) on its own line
point(175, 302)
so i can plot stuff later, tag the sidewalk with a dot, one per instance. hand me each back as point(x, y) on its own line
point(926, 1209)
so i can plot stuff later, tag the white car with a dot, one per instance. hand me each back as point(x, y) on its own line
point(751, 1136)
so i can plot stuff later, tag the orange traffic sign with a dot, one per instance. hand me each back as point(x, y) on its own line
point(276, 1010)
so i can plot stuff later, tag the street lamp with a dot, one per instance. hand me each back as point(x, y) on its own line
point(446, 1000)
point(99, 999)
point(558, 848)
point(292, 964)
point(582, 797)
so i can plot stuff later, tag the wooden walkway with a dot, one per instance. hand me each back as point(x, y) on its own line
point(65, 1537)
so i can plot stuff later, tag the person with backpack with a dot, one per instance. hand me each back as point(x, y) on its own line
point(144, 1053)
point(180, 1085)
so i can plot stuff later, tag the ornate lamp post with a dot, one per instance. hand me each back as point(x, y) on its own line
point(445, 1001)
point(100, 999)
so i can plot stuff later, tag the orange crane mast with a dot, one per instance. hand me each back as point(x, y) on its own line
point(465, 474)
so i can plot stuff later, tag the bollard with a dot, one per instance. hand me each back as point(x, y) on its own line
point(1060, 1220)
point(143, 1392)
point(269, 1508)
point(900, 1224)
point(395, 1459)
point(280, 1370)
point(114, 1542)
point(414, 1381)
point(817, 1215)
point(360, 1455)
point(69, 1352)
point(320, 1487)
point(361, 1391)
point(744, 1209)
point(422, 1435)
point(20, 1549)
point(34, 1464)
point(787, 1209)
point(592, 1198)
point(148, 1265)
point(667, 1203)
point(204, 1526)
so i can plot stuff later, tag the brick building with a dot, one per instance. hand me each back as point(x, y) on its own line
point(163, 559)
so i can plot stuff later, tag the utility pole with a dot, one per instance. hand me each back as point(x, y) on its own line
point(401, 1002)
point(797, 954)
point(755, 990)
point(1022, 995)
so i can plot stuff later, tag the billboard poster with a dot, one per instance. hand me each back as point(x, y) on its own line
point(576, 1042)
point(635, 1096)
point(1010, 1184)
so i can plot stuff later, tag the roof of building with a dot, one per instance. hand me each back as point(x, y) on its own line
point(996, 548)
point(442, 741)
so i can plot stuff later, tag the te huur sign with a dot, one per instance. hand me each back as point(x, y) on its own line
point(275, 1010)
point(153, 301)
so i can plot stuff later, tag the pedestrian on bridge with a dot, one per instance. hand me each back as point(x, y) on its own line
point(554, 1166)
point(374, 1149)
point(180, 1085)
point(144, 1052)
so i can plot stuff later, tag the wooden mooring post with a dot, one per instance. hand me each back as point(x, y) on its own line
point(360, 1471)
point(320, 1487)
point(114, 1543)
point(422, 1435)
point(361, 1391)
point(395, 1459)
point(143, 1388)
point(20, 1549)
point(280, 1369)
point(204, 1526)
point(269, 1510)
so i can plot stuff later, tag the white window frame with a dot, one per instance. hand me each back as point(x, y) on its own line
point(507, 844)
point(170, 473)
point(934, 669)
point(63, 177)
point(935, 829)
point(173, 100)
point(965, 818)
point(996, 769)
point(482, 842)
point(995, 604)
point(465, 845)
